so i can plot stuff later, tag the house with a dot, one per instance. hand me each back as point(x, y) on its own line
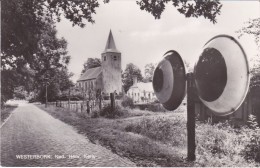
point(107, 77)
point(141, 92)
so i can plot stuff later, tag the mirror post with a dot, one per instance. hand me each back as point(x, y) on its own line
point(191, 118)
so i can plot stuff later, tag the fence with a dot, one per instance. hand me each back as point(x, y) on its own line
point(84, 106)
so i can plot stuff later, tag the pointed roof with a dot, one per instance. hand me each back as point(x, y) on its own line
point(111, 46)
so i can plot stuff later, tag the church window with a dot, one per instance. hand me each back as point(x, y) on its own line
point(115, 58)
point(105, 58)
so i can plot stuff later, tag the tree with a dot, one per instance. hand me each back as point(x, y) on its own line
point(25, 51)
point(51, 66)
point(209, 9)
point(252, 27)
point(91, 63)
point(148, 72)
point(48, 65)
point(128, 75)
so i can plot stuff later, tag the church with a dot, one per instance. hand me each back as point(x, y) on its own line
point(107, 77)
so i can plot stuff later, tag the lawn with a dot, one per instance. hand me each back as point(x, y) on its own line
point(159, 138)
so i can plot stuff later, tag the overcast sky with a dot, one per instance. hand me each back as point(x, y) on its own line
point(142, 39)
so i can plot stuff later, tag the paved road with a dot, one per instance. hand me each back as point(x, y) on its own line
point(41, 140)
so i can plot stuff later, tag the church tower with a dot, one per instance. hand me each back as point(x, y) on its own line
point(111, 67)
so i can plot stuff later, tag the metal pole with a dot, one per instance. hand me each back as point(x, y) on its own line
point(191, 118)
point(46, 99)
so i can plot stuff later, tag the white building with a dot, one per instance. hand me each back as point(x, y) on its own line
point(141, 92)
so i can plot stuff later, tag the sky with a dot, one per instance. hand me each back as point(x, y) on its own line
point(142, 39)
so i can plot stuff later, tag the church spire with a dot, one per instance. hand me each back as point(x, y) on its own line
point(110, 46)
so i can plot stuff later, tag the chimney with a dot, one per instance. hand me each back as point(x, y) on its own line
point(134, 80)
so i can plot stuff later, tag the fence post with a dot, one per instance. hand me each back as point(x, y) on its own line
point(100, 103)
point(112, 98)
point(81, 107)
point(191, 117)
point(88, 110)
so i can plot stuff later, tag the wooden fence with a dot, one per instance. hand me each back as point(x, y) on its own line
point(84, 106)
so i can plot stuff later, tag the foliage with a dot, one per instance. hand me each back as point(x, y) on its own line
point(156, 107)
point(49, 67)
point(128, 75)
point(209, 9)
point(91, 63)
point(20, 93)
point(94, 114)
point(252, 149)
point(6, 110)
point(74, 93)
point(161, 129)
point(8, 84)
point(222, 145)
point(108, 112)
point(127, 102)
point(30, 47)
point(148, 72)
point(23, 21)
point(252, 28)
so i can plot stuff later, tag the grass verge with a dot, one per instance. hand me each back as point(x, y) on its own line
point(6, 110)
point(114, 134)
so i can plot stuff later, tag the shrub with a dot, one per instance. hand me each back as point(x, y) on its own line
point(94, 114)
point(107, 111)
point(127, 102)
point(252, 148)
point(167, 130)
point(156, 107)
point(222, 145)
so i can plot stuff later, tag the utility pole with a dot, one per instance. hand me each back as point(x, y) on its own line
point(191, 118)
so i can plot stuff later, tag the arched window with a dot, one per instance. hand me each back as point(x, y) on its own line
point(105, 58)
point(115, 58)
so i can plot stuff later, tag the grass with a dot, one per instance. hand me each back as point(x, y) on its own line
point(112, 133)
point(159, 139)
point(6, 110)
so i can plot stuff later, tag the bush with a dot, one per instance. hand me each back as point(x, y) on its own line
point(167, 130)
point(252, 149)
point(127, 102)
point(156, 107)
point(222, 145)
point(107, 111)
point(94, 114)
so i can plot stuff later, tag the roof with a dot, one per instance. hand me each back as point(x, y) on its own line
point(148, 87)
point(90, 74)
point(111, 46)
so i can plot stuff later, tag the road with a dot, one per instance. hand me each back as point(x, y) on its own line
point(31, 137)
